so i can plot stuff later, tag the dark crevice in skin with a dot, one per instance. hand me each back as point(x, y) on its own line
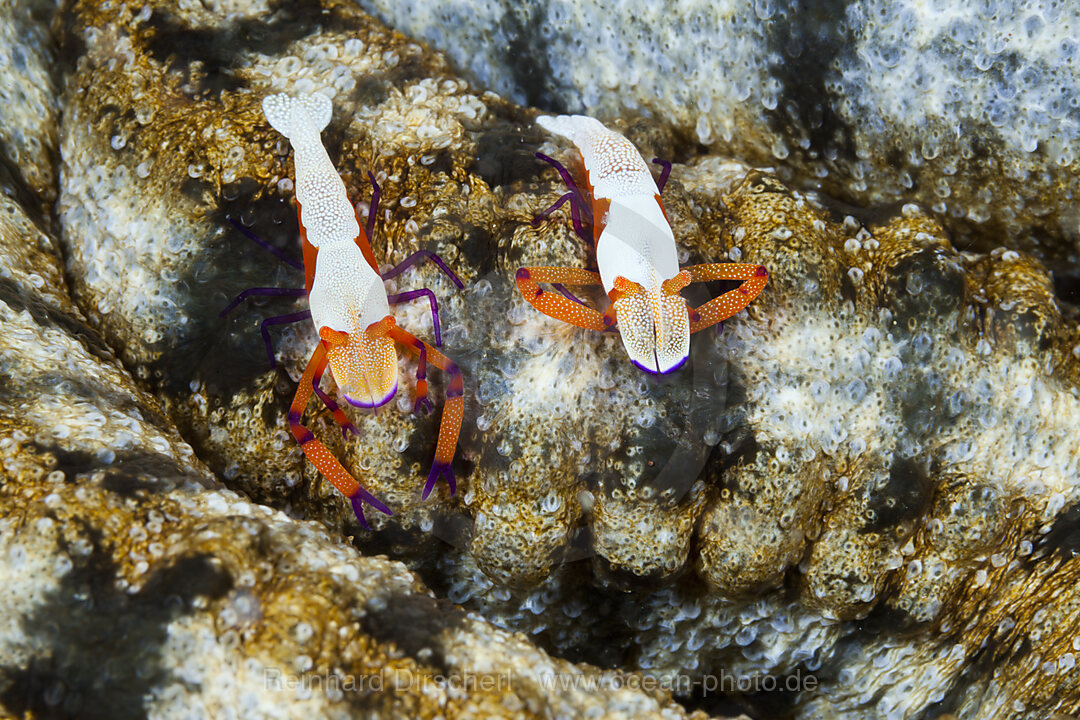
point(806, 44)
point(1064, 536)
point(906, 496)
point(886, 620)
point(941, 284)
point(373, 89)
point(505, 153)
point(227, 354)
point(197, 190)
point(13, 183)
point(479, 247)
point(606, 645)
point(1067, 290)
point(526, 57)
point(104, 656)
point(408, 70)
point(208, 56)
point(443, 163)
point(66, 30)
point(370, 91)
point(626, 580)
point(413, 623)
point(848, 293)
point(868, 216)
point(71, 462)
point(980, 667)
point(126, 474)
point(45, 315)
point(779, 704)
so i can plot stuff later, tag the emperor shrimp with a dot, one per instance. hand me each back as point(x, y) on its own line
point(635, 255)
point(350, 309)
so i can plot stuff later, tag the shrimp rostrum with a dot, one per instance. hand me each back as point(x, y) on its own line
point(635, 255)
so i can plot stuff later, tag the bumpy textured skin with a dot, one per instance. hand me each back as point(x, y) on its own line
point(110, 527)
point(965, 108)
point(133, 582)
point(29, 108)
point(887, 436)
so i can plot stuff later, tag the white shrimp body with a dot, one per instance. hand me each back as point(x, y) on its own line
point(346, 294)
point(636, 243)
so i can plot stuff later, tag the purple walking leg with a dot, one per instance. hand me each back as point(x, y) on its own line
point(278, 252)
point(279, 320)
point(564, 173)
point(575, 214)
point(373, 207)
point(412, 295)
point(663, 173)
point(418, 256)
point(342, 420)
point(252, 292)
point(567, 294)
point(578, 204)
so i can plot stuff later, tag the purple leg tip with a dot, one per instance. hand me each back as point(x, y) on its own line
point(438, 469)
point(358, 508)
point(362, 496)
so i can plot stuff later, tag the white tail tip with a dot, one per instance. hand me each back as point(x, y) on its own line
point(574, 128)
point(288, 114)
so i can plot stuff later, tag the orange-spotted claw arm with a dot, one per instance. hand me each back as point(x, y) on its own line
point(720, 308)
point(333, 336)
point(323, 460)
point(453, 408)
point(554, 304)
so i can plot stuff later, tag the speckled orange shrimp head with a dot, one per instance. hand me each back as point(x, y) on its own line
point(349, 306)
point(635, 255)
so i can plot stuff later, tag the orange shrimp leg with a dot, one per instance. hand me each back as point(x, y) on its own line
point(720, 308)
point(316, 452)
point(453, 409)
point(422, 401)
point(559, 306)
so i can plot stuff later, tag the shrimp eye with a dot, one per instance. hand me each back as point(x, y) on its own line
point(677, 283)
point(623, 287)
point(333, 337)
point(381, 328)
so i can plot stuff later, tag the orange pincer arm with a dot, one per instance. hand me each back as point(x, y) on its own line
point(556, 305)
point(323, 460)
point(721, 308)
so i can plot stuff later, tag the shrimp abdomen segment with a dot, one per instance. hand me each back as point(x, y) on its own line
point(325, 211)
point(346, 294)
point(615, 167)
point(636, 243)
